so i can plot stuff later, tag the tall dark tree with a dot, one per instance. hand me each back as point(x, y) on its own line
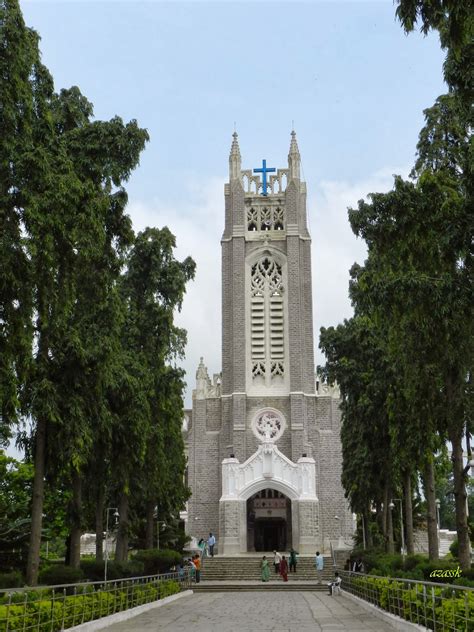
point(355, 359)
point(64, 211)
point(153, 288)
point(419, 235)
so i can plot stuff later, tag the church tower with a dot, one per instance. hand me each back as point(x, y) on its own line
point(267, 320)
point(257, 432)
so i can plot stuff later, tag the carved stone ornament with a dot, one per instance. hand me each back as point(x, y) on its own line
point(268, 425)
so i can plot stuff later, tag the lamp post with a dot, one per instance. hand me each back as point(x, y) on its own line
point(438, 504)
point(158, 522)
point(116, 516)
point(391, 507)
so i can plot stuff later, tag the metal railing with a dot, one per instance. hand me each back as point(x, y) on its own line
point(438, 607)
point(54, 608)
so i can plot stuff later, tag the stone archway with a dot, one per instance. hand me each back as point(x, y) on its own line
point(268, 468)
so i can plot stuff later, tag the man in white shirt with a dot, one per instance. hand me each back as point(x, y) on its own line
point(210, 543)
point(276, 561)
point(319, 563)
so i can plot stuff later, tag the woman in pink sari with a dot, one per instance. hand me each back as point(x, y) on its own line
point(284, 569)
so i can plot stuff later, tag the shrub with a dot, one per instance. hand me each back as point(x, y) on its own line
point(428, 567)
point(93, 570)
point(412, 561)
point(60, 574)
point(464, 581)
point(157, 560)
point(44, 615)
point(13, 579)
point(414, 605)
point(454, 548)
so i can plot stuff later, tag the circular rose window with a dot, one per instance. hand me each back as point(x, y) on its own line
point(268, 425)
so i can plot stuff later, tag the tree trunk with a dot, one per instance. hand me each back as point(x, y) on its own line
point(121, 547)
point(460, 495)
point(37, 503)
point(390, 540)
point(410, 540)
point(99, 523)
point(76, 514)
point(150, 521)
point(387, 519)
point(431, 516)
point(368, 531)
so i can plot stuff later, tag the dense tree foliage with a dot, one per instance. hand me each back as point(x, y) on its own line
point(410, 344)
point(86, 310)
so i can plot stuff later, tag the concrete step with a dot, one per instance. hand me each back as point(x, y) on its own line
point(231, 569)
point(227, 586)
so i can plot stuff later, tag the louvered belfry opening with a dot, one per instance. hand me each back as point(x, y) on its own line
point(267, 320)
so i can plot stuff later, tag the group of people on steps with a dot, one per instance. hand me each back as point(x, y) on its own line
point(282, 565)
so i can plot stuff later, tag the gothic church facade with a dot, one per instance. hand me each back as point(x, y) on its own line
point(263, 437)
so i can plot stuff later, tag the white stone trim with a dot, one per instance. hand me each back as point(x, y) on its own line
point(268, 467)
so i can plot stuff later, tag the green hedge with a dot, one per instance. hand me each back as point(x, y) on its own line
point(157, 561)
point(93, 570)
point(411, 567)
point(60, 574)
point(449, 613)
point(44, 615)
point(13, 579)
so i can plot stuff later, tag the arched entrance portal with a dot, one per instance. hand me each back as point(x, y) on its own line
point(269, 525)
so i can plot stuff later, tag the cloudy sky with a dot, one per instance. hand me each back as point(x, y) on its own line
point(344, 72)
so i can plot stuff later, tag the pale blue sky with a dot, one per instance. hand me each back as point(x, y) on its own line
point(352, 81)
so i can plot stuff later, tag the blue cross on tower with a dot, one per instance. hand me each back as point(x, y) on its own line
point(264, 170)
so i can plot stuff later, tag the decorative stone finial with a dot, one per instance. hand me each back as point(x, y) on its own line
point(201, 370)
point(294, 158)
point(234, 159)
point(202, 379)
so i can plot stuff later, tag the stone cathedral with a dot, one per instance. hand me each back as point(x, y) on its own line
point(263, 437)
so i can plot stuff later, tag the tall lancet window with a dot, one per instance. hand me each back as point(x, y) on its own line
point(266, 321)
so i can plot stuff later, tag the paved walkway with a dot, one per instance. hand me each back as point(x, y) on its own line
point(251, 612)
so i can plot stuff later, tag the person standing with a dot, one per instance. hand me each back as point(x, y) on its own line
point(265, 569)
point(211, 541)
point(202, 547)
point(276, 561)
point(197, 564)
point(319, 563)
point(293, 560)
point(284, 569)
point(192, 565)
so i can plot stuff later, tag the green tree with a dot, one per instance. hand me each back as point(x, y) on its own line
point(20, 81)
point(64, 208)
point(419, 237)
point(454, 21)
point(153, 287)
point(355, 359)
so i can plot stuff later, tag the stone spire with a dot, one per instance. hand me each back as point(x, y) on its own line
point(234, 159)
point(202, 380)
point(294, 158)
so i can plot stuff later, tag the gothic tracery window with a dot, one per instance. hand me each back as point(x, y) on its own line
point(264, 219)
point(266, 320)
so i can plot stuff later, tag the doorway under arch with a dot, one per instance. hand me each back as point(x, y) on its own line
point(269, 524)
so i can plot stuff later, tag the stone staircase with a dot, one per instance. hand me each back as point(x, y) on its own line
point(239, 569)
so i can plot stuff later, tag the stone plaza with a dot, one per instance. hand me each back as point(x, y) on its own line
point(251, 611)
